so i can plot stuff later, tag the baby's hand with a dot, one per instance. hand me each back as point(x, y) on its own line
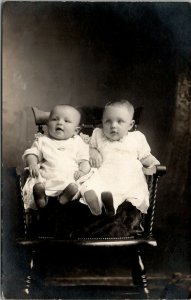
point(149, 171)
point(78, 174)
point(95, 158)
point(34, 170)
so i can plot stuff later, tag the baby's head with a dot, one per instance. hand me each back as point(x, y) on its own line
point(63, 122)
point(117, 119)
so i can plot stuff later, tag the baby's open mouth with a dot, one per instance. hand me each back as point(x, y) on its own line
point(59, 129)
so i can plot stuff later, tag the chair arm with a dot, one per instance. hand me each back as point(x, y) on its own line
point(160, 170)
point(154, 170)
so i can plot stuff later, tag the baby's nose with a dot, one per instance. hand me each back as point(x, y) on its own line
point(113, 124)
point(61, 122)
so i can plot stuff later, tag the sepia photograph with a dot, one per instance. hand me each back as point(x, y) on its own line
point(109, 217)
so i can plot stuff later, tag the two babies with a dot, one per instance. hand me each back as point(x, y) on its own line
point(112, 164)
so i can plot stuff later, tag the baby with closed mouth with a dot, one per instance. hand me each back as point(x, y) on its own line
point(119, 156)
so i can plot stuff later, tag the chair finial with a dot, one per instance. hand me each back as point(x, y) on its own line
point(41, 117)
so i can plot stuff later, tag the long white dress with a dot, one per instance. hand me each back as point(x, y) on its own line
point(58, 160)
point(121, 171)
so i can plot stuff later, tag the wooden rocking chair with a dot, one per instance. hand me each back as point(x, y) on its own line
point(46, 237)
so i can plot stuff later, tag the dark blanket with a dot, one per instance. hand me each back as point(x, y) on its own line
point(74, 220)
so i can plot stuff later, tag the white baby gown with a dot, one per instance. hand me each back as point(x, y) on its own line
point(121, 171)
point(59, 160)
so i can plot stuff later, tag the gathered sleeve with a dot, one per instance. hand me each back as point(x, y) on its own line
point(36, 149)
point(144, 152)
point(144, 149)
point(94, 140)
point(83, 150)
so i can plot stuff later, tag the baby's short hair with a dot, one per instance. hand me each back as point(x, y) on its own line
point(67, 105)
point(124, 102)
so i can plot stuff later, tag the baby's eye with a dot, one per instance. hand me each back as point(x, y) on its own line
point(120, 121)
point(67, 121)
point(107, 122)
point(54, 119)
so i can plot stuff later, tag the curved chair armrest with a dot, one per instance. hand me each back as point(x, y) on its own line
point(155, 170)
point(160, 170)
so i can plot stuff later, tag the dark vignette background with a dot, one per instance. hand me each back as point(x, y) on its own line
point(87, 54)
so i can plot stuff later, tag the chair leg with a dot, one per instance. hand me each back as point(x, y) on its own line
point(139, 274)
point(26, 288)
point(32, 280)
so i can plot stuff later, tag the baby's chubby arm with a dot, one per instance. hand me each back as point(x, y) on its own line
point(95, 158)
point(84, 168)
point(149, 164)
point(94, 154)
point(32, 162)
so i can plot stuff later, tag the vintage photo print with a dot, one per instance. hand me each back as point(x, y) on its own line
point(96, 139)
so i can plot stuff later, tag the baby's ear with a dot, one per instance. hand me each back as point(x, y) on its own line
point(131, 124)
point(77, 129)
